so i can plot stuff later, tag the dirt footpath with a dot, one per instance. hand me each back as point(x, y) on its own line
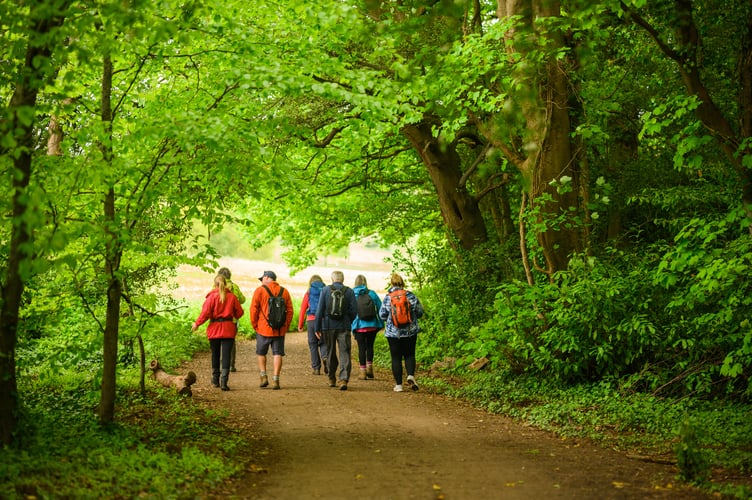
point(313, 441)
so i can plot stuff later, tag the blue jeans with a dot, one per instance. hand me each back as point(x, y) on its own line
point(315, 346)
point(338, 340)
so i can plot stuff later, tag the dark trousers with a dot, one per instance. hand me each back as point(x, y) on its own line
point(402, 348)
point(338, 340)
point(365, 340)
point(316, 347)
point(220, 353)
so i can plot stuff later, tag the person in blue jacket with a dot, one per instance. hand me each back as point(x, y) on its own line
point(366, 327)
point(333, 322)
point(401, 339)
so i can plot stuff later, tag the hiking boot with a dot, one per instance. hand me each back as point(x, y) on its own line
point(326, 368)
point(398, 388)
point(411, 382)
point(275, 385)
point(369, 371)
point(223, 380)
point(332, 382)
point(342, 385)
point(215, 378)
point(264, 381)
point(316, 371)
point(362, 374)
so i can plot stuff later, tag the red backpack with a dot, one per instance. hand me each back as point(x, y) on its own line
point(400, 308)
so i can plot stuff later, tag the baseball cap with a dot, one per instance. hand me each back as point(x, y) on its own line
point(271, 274)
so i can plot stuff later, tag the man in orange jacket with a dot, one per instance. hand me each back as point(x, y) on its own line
point(266, 335)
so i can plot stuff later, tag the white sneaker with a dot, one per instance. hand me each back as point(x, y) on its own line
point(411, 382)
point(397, 388)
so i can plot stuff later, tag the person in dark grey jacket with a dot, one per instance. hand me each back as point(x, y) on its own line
point(333, 325)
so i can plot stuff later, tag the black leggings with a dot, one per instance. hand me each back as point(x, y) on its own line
point(402, 348)
point(365, 346)
point(220, 350)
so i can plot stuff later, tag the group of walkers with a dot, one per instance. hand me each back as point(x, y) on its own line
point(332, 313)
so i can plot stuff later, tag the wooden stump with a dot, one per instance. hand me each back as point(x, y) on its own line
point(181, 383)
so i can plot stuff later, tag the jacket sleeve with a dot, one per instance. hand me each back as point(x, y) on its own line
point(238, 293)
point(323, 299)
point(377, 303)
point(384, 308)
point(303, 311)
point(353, 309)
point(205, 314)
point(237, 309)
point(417, 306)
point(255, 311)
point(289, 308)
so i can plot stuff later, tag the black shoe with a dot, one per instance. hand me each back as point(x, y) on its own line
point(326, 368)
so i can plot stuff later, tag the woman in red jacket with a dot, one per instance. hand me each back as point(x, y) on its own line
point(222, 309)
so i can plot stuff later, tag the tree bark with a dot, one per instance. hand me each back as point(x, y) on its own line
point(550, 158)
point(459, 208)
point(112, 257)
point(33, 77)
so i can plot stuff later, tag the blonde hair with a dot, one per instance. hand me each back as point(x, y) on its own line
point(396, 280)
point(360, 280)
point(221, 285)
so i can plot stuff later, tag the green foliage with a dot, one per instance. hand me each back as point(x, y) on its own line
point(160, 447)
point(592, 323)
point(691, 460)
point(163, 447)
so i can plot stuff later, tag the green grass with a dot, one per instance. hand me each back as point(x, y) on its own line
point(160, 447)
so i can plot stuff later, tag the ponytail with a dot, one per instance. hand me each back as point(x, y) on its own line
point(220, 284)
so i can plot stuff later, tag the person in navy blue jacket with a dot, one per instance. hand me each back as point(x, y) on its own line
point(333, 323)
point(365, 328)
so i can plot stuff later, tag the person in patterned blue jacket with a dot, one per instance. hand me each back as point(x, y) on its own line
point(402, 340)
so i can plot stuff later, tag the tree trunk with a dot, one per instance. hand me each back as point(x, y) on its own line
point(33, 76)
point(545, 108)
point(113, 254)
point(458, 207)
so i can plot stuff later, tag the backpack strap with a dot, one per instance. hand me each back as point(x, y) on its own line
point(281, 290)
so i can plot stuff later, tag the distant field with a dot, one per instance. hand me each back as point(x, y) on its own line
point(193, 284)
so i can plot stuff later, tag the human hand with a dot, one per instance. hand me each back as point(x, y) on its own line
point(194, 327)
